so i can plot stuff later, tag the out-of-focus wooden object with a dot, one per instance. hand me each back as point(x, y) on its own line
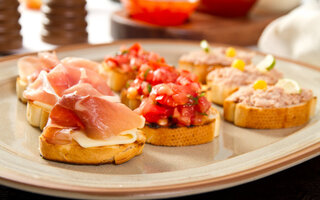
point(235, 31)
point(10, 37)
point(64, 22)
point(32, 4)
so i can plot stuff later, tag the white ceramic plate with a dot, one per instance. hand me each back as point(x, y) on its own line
point(237, 156)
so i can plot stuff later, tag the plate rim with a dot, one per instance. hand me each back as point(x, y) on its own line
point(235, 178)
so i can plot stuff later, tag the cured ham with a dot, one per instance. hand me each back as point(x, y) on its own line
point(81, 63)
point(48, 87)
point(29, 67)
point(96, 116)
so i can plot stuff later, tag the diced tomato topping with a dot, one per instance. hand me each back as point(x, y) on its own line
point(185, 105)
point(132, 58)
point(135, 47)
point(168, 94)
point(153, 112)
point(197, 119)
point(186, 115)
point(203, 105)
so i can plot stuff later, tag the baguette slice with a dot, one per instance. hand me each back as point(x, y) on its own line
point(131, 103)
point(21, 86)
point(217, 93)
point(75, 154)
point(38, 114)
point(201, 71)
point(269, 118)
point(184, 136)
point(117, 79)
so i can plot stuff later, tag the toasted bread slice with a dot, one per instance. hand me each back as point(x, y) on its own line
point(21, 86)
point(217, 93)
point(38, 114)
point(269, 118)
point(75, 154)
point(131, 103)
point(184, 136)
point(201, 71)
point(117, 79)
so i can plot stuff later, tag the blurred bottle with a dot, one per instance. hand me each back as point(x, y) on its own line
point(64, 22)
point(10, 37)
point(32, 4)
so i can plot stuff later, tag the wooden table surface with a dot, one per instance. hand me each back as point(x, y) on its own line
point(299, 182)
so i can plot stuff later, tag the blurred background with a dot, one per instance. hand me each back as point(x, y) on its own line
point(268, 25)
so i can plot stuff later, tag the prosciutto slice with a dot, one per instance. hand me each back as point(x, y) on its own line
point(48, 87)
point(29, 67)
point(98, 117)
point(81, 63)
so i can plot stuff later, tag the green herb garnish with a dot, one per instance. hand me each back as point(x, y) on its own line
point(205, 114)
point(122, 52)
point(149, 87)
point(134, 67)
point(202, 94)
point(127, 85)
point(146, 73)
point(195, 99)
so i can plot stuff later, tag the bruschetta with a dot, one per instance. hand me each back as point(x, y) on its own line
point(201, 62)
point(91, 130)
point(29, 67)
point(224, 81)
point(125, 64)
point(178, 115)
point(43, 93)
point(149, 75)
point(270, 107)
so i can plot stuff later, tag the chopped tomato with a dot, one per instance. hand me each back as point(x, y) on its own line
point(135, 47)
point(112, 60)
point(197, 119)
point(183, 105)
point(132, 58)
point(186, 115)
point(203, 105)
point(162, 75)
point(153, 112)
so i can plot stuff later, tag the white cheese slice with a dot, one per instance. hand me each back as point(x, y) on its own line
point(125, 137)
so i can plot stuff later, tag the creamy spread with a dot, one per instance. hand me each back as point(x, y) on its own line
point(233, 77)
point(272, 97)
point(217, 56)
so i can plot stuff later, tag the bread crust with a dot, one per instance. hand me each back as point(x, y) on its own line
point(184, 136)
point(37, 116)
point(217, 93)
point(269, 118)
point(117, 79)
point(200, 70)
point(75, 154)
point(21, 86)
point(131, 103)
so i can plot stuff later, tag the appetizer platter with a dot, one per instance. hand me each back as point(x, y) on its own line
point(153, 118)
